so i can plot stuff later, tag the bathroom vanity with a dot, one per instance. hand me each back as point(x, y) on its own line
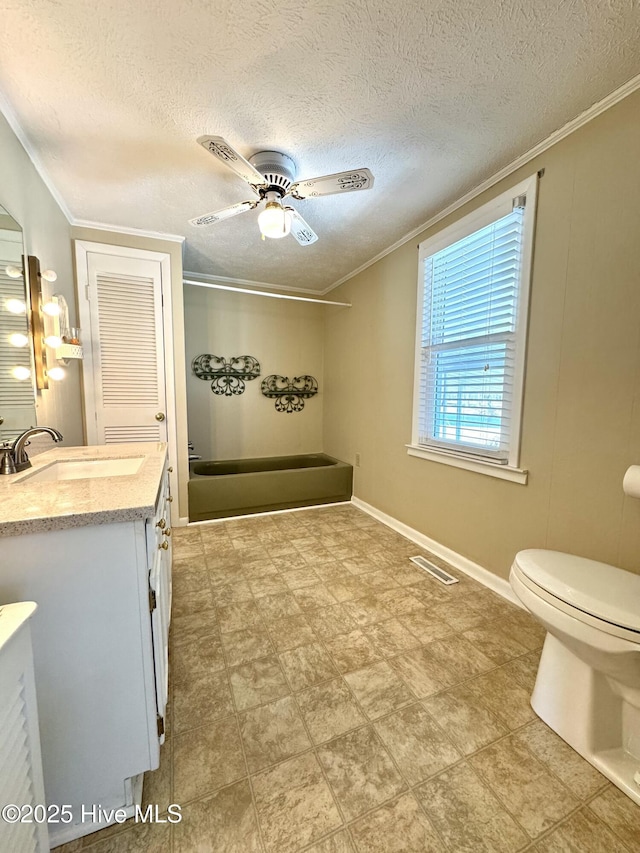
point(85, 534)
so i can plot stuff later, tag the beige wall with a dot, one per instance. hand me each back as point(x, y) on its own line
point(286, 338)
point(179, 411)
point(46, 234)
point(581, 426)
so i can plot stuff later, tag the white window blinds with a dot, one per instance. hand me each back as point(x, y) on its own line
point(471, 340)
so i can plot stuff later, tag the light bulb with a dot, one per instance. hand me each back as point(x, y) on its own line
point(53, 341)
point(18, 340)
point(49, 275)
point(21, 373)
point(15, 306)
point(56, 373)
point(52, 309)
point(274, 221)
point(13, 271)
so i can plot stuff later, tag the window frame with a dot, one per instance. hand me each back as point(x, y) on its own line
point(480, 218)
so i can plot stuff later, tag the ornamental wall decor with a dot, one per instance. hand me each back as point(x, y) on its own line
point(289, 394)
point(228, 376)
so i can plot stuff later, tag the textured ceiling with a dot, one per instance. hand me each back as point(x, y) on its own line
point(432, 95)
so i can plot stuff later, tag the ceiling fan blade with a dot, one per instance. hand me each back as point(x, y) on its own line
point(341, 182)
point(225, 213)
point(221, 149)
point(300, 230)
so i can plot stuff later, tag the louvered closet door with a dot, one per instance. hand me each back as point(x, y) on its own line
point(125, 304)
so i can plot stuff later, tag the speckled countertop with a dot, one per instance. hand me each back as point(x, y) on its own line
point(32, 506)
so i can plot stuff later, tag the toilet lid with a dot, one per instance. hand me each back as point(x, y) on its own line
point(604, 591)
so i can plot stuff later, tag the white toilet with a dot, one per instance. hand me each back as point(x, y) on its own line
point(588, 684)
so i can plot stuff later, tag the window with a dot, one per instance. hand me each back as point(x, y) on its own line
point(473, 287)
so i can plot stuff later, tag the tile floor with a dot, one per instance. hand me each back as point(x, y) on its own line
point(329, 697)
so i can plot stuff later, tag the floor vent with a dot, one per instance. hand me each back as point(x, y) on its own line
point(436, 571)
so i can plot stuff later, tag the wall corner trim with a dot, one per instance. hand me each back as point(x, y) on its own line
point(457, 561)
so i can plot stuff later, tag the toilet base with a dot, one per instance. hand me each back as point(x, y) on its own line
point(578, 703)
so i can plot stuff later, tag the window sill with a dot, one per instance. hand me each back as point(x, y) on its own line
point(491, 469)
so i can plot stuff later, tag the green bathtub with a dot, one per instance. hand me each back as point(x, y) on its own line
point(241, 486)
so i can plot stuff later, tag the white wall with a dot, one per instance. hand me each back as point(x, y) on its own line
point(287, 338)
point(47, 234)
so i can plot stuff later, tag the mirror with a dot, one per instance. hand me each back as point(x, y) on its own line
point(17, 396)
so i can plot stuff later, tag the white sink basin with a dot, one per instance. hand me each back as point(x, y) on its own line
point(84, 469)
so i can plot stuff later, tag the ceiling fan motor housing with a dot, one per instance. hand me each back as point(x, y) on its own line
point(278, 170)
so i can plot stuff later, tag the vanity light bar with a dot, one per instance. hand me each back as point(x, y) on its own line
point(436, 571)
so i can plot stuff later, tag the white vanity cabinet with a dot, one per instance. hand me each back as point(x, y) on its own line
point(100, 652)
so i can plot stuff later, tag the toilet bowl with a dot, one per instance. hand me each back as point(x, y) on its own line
point(588, 683)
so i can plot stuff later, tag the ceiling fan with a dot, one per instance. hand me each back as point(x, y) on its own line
point(271, 174)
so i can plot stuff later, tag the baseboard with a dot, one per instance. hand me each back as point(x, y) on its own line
point(457, 561)
point(267, 512)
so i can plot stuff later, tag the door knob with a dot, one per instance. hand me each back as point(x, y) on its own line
point(160, 416)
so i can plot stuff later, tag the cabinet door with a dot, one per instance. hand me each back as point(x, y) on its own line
point(124, 377)
point(159, 555)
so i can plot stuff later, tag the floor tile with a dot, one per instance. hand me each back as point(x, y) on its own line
point(312, 597)
point(360, 772)
point(267, 585)
point(345, 589)
point(258, 682)
point(232, 593)
point(223, 823)
point(524, 629)
point(379, 581)
point(418, 745)
point(424, 626)
point(329, 710)
point(294, 804)
point(186, 629)
point(278, 606)
point(367, 610)
point(390, 637)
point(397, 827)
point(495, 644)
point(422, 672)
point(307, 665)
point(201, 699)
point(329, 622)
point(578, 775)
point(238, 617)
point(504, 697)
point(378, 689)
point(244, 646)
point(399, 601)
point(351, 651)
point(533, 795)
point(297, 576)
point(467, 723)
point(467, 815)
point(272, 733)
point(206, 759)
point(338, 843)
point(458, 614)
point(290, 632)
point(582, 832)
point(188, 602)
point(140, 838)
point(197, 657)
point(459, 656)
point(620, 814)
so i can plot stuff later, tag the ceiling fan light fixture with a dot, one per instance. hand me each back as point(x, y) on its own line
point(274, 221)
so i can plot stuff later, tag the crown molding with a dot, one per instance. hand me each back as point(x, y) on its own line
point(124, 229)
point(12, 120)
point(570, 127)
point(242, 282)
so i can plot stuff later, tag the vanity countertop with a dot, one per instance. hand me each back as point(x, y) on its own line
point(32, 506)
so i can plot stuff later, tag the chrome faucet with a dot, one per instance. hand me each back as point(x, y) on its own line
point(14, 456)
